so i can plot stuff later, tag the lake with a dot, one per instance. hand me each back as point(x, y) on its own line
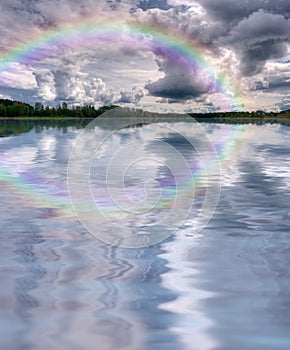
point(211, 273)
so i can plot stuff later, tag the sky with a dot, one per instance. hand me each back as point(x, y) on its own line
point(165, 55)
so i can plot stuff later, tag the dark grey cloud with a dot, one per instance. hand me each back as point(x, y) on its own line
point(227, 11)
point(232, 12)
point(175, 86)
point(258, 30)
point(254, 57)
point(260, 26)
point(276, 80)
point(256, 33)
point(281, 85)
point(258, 38)
point(150, 4)
point(178, 83)
point(285, 104)
point(19, 94)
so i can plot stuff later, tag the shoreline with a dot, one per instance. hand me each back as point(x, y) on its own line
point(285, 120)
point(249, 120)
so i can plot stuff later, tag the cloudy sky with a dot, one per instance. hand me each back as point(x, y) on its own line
point(212, 55)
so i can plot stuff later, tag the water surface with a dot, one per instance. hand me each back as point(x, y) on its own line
point(227, 287)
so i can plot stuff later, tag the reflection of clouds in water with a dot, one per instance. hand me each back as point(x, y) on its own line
point(191, 322)
point(34, 172)
point(90, 299)
point(20, 159)
point(275, 170)
point(234, 144)
point(269, 146)
point(141, 171)
point(190, 291)
point(275, 163)
point(47, 146)
point(5, 139)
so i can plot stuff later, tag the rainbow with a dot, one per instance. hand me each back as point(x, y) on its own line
point(191, 55)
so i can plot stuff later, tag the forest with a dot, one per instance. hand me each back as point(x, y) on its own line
point(17, 109)
point(11, 109)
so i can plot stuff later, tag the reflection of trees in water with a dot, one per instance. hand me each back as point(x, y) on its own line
point(9, 127)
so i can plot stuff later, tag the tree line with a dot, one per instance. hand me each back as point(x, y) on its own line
point(10, 109)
